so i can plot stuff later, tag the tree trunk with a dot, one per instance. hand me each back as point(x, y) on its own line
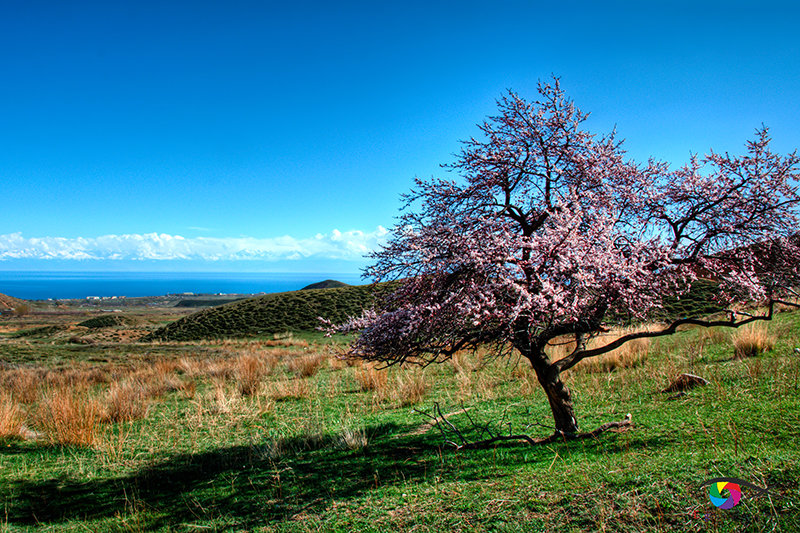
point(558, 395)
point(560, 400)
point(549, 377)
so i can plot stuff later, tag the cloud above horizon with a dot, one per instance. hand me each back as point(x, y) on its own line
point(348, 245)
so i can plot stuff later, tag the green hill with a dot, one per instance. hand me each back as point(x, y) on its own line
point(327, 284)
point(272, 313)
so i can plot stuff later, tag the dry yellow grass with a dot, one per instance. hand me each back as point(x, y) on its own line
point(631, 354)
point(291, 389)
point(463, 362)
point(371, 379)
point(11, 417)
point(69, 416)
point(126, 402)
point(22, 383)
point(224, 399)
point(157, 380)
point(250, 371)
point(410, 387)
point(752, 340)
point(192, 366)
point(306, 366)
point(287, 342)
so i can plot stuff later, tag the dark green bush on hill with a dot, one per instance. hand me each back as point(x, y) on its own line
point(272, 313)
point(106, 321)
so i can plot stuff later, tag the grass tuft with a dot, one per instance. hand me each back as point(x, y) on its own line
point(126, 402)
point(752, 340)
point(250, 371)
point(306, 366)
point(69, 416)
point(11, 417)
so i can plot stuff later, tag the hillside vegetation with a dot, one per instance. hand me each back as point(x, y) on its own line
point(272, 313)
point(9, 302)
point(107, 321)
point(300, 311)
point(327, 284)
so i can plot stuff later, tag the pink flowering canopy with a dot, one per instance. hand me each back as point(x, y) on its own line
point(547, 230)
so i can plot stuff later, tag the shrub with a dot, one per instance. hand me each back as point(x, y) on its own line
point(22, 309)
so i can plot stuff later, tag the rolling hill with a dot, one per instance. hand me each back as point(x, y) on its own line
point(272, 313)
point(9, 302)
point(327, 284)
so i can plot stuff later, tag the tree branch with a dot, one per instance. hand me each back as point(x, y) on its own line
point(577, 356)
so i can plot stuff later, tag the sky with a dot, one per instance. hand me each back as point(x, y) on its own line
point(278, 136)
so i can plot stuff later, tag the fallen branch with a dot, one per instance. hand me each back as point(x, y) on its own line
point(441, 421)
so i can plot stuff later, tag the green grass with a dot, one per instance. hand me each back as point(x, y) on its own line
point(283, 465)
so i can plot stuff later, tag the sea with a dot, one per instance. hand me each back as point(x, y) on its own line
point(39, 285)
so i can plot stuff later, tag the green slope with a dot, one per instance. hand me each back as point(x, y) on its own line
point(327, 284)
point(272, 313)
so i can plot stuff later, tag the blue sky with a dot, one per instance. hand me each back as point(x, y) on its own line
point(267, 136)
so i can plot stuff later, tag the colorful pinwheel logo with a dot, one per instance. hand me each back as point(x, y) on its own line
point(715, 493)
point(725, 492)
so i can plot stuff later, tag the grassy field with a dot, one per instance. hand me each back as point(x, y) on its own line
point(278, 434)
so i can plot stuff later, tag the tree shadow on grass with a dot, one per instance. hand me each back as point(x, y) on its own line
point(250, 486)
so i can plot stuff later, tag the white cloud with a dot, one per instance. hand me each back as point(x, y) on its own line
point(346, 245)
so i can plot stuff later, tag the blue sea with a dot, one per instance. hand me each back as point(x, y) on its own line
point(69, 285)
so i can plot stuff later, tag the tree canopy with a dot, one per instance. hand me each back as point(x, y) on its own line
point(546, 230)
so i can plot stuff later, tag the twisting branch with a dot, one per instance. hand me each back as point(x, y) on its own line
point(577, 356)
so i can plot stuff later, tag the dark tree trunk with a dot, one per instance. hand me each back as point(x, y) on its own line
point(549, 378)
point(558, 395)
point(560, 400)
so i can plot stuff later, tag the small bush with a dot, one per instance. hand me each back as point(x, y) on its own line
point(22, 309)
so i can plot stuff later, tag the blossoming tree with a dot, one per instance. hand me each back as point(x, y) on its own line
point(548, 233)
